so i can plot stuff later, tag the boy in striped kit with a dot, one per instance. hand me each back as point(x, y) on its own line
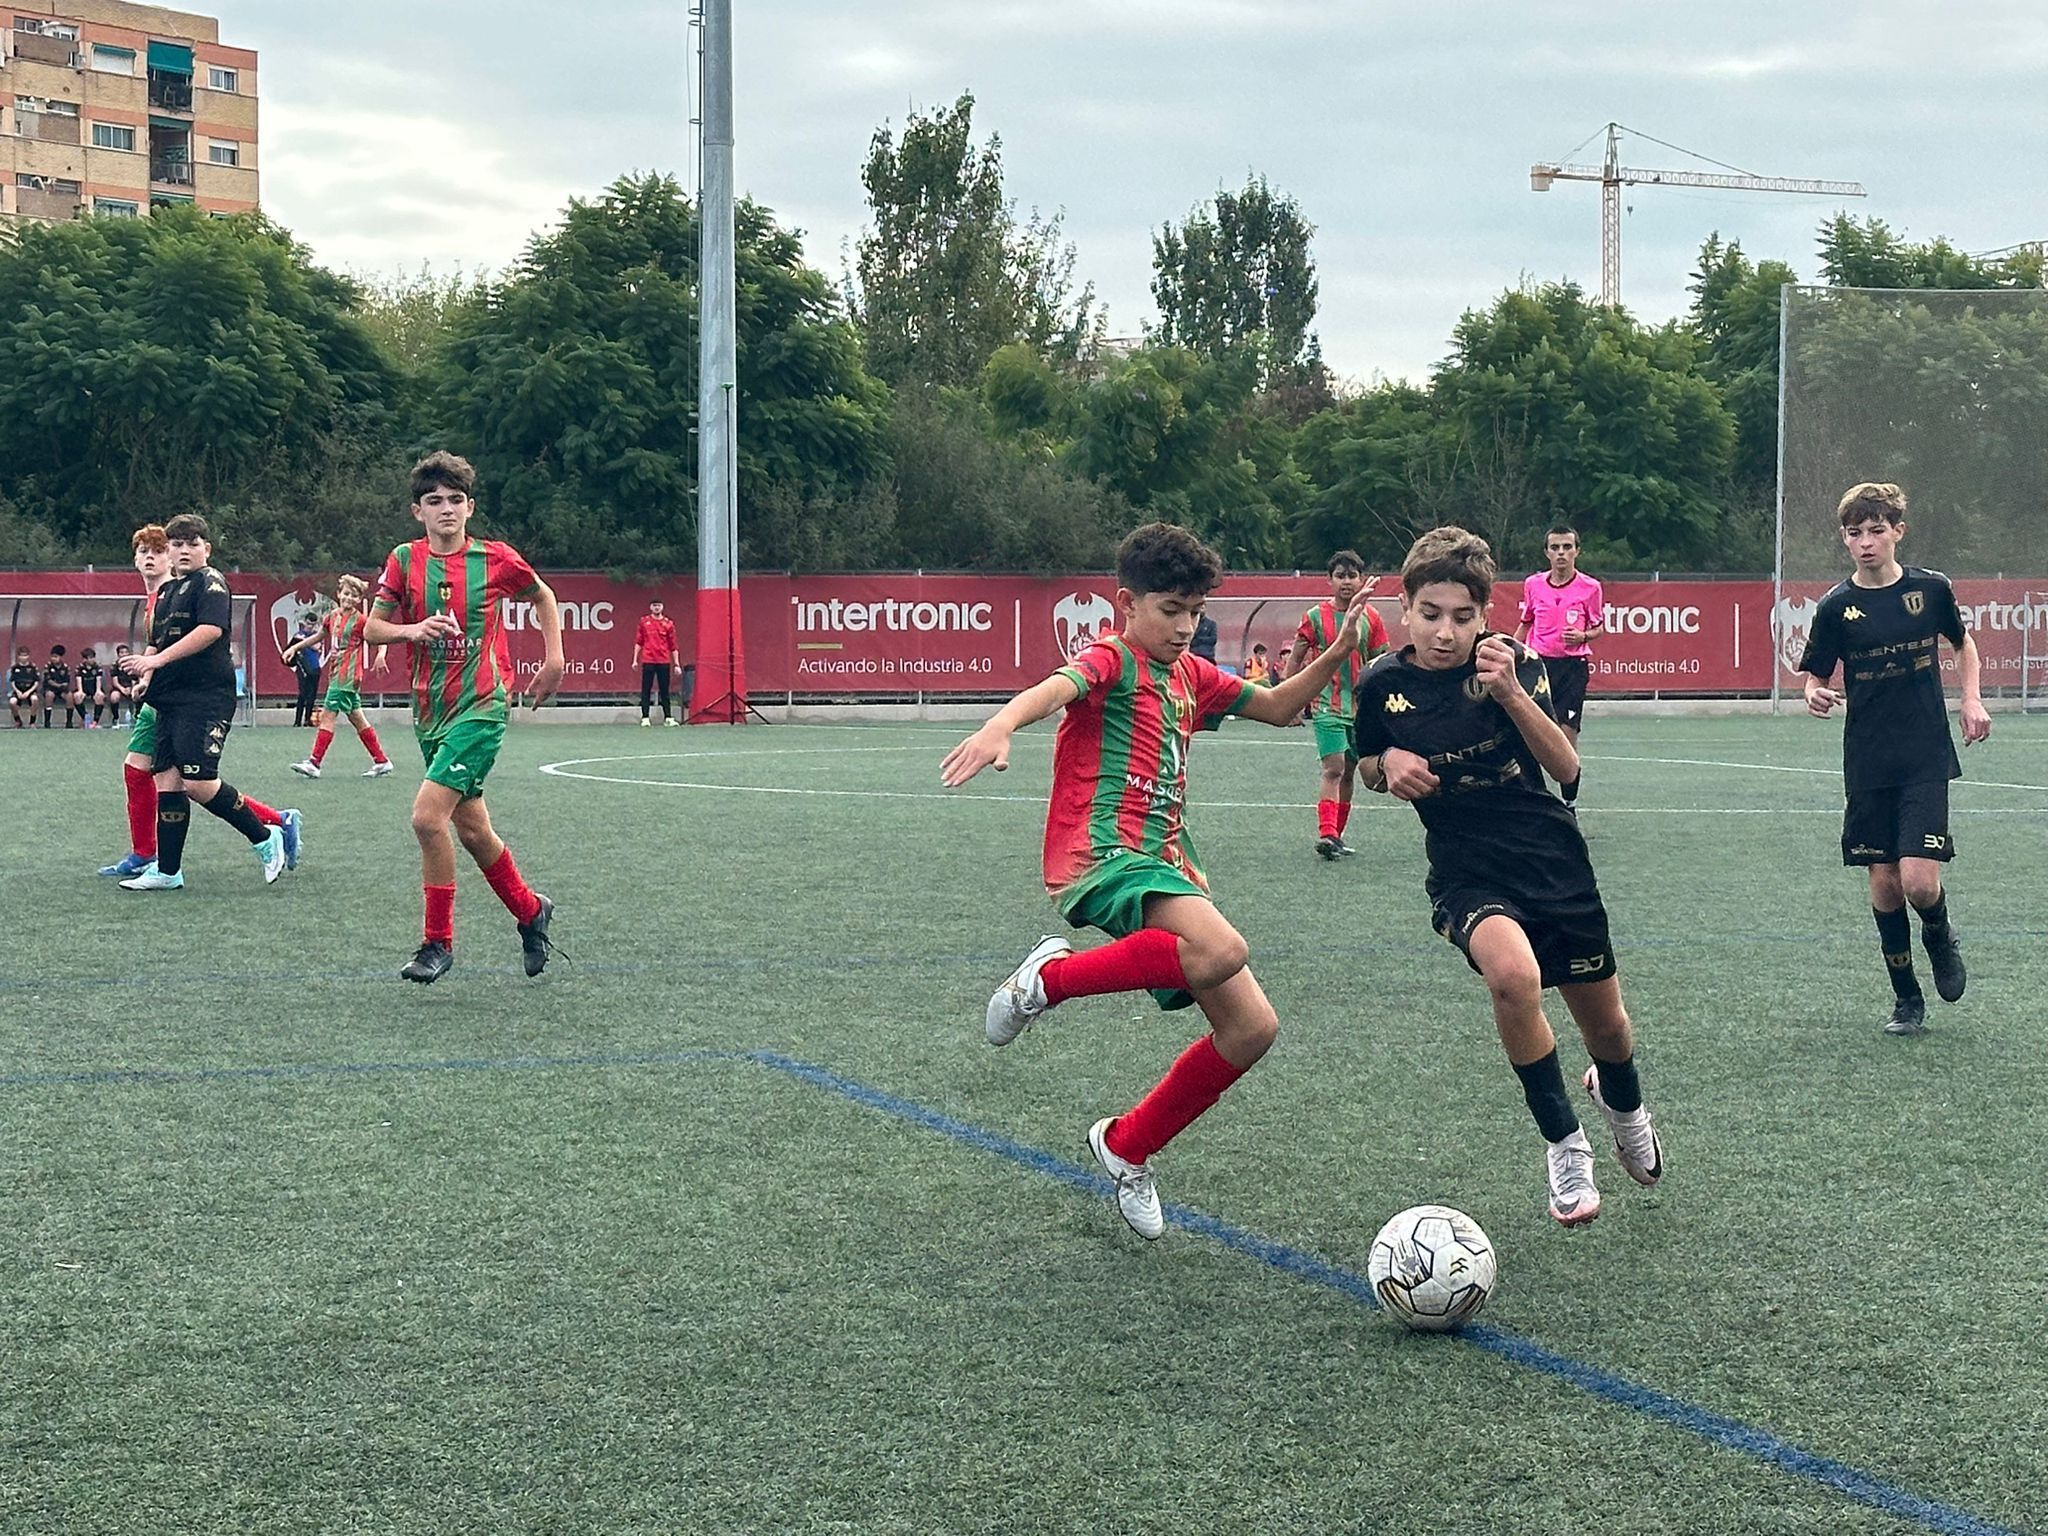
point(1331, 712)
point(1116, 855)
point(341, 632)
point(441, 595)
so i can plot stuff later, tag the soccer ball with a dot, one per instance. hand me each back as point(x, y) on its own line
point(1432, 1268)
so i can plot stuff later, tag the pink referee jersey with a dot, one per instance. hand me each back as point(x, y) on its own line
point(1550, 610)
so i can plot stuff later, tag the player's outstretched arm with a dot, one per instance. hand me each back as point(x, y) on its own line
point(1279, 704)
point(547, 613)
point(199, 639)
point(1976, 719)
point(989, 747)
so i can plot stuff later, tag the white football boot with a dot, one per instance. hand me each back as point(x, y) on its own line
point(1137, 1197)
point(1018, 1002)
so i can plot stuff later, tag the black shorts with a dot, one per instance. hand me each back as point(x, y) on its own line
point(191, 741)
point(1568, 676)
point(1571, 943)
point(1908, 821)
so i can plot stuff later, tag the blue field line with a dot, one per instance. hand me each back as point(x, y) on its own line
point(1731, 1434)
point(723, 963)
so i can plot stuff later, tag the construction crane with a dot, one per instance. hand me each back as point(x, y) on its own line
point(1613, 176)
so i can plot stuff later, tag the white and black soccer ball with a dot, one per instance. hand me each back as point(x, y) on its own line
point(1432, 1267)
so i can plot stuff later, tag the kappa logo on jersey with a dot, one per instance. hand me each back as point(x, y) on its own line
point(1916, 603)
point(291, 607)
point(1396, 704)
point(1852, 612)
point(1543, 685)
point(1079, 620)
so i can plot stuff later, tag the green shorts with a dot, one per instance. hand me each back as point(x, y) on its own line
point(1333, 734)
point(1112, 898)
point(142, 739)
point(341, 700)
point(460, 757)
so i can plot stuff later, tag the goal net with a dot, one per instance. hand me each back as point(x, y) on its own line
point(1944, 392)
point(38, 621)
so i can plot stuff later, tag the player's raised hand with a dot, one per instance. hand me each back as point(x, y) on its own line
point(1976, 722)
point(1494, 662)
point(1351, 633)
point(988, 747)
point(1820, 702)
point(1408, 775)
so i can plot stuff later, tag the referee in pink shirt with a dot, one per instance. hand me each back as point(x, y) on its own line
point(1563, 613)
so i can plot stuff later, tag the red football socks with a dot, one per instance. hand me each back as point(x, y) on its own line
point(321, 743)
point(1139, 961)
point(1190, 1086)
point(512, 889)
point(440, 914)
point(1326, 818)
point(1343, 816)
point(262, 812)
point(369, 734)
point(141, 810)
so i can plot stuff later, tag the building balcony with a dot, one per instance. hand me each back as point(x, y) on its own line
point(170, 173)
point(50, 127)
point(45, 50)
point(170, 93)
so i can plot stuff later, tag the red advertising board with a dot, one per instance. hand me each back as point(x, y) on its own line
point(910, 633)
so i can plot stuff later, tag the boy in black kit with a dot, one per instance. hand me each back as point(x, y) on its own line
point(56, 687)
point(1884, 625)
point(24, 683)
point(1458, 723)
point(191, 674)
point(85, 692)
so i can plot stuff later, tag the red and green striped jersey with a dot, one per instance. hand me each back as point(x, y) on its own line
point(345, 647)
point(1319, 627)
point(466, 676)
point(1119, 766)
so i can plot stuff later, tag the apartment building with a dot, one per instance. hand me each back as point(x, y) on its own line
point(118, 109)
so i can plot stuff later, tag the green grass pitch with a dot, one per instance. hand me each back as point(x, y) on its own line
point(293, 1246)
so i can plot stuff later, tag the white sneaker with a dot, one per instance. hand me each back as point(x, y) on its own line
point(671, 720)
point(305, 767)
point(270, 854)
point(155, 880)
point(1137, 1197)
point(1573, 1199)
point(1021, 998)
point(1636, 1144)
point(645, 722)
point(377, 770)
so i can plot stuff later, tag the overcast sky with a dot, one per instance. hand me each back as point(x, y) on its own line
point(399, 133)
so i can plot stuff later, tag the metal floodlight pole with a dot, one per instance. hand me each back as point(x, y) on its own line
point(1778, 551)
point(721, 688)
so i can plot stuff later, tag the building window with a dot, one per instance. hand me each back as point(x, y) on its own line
point(218, 79)
point(33, 183)
point(113, 61)
point(113, 136)
point(114, 208)
point(37, 26)
point(221, 152)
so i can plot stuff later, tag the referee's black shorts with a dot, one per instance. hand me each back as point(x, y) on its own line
point(1567, 688)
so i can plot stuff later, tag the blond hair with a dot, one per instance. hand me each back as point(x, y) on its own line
point(1873, 498)
point(351, 586)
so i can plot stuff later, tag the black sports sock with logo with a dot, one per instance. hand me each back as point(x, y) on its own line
point(1543, 1087)
point(173, 816)
point(227, 803)
point(1934, 919)
point(1895, 935)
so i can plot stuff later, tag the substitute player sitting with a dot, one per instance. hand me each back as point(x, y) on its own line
point(1884, 626)
point(24, 686)
point(1457, 722)
point(341, 635)
point(1117, 856)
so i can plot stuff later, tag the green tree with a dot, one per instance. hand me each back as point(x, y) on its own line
point(573, 383)
point(1867, 254)
point(947, 275)
point(1238, 275)
point(1735, 314)
point(174, 363)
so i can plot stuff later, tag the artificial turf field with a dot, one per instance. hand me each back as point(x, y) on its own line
point(733, 1222)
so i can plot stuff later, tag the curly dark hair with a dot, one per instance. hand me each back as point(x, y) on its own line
point(443, 471)
point(1450, 554)
point(1165, 557)
point(1344, 557)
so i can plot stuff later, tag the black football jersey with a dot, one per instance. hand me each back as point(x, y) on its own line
point(1888, 640)
point(1494, 824)
point(205, 681)
point(23, 677)
point(57, 677)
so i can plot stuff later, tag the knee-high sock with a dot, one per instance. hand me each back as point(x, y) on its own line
point(264, 813)
point(1895, 936)
point(1191, 1085)
point(1343, 816)
point(321, 743)
point(1136, 962)
point(1543, 1088)
point(227, 803)
point(512, 889)
point(173, 817)
point(141, 810)
point(1326, 818)
point(372, 745)
point(440, 927)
